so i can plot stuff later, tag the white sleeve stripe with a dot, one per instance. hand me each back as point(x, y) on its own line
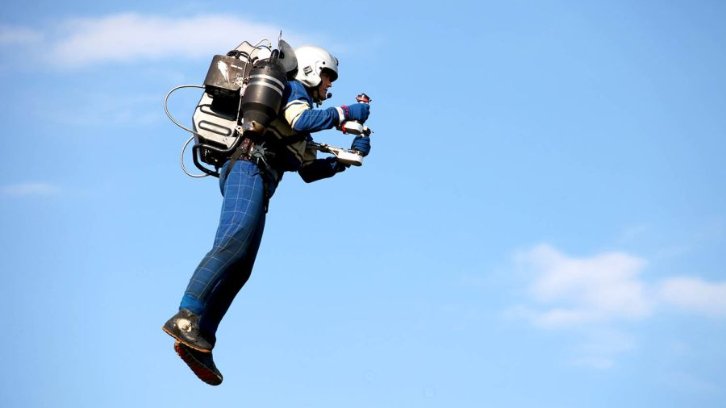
point(293, 111)
point(341, 115)
point(295, 102)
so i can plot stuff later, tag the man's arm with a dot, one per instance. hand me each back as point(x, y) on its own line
point(319, 169)
point(302, 117)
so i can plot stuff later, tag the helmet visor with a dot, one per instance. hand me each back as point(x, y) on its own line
point(331, 73)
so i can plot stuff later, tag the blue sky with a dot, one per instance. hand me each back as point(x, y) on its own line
point(541, 221)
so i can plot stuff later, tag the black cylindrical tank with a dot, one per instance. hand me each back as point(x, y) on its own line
point(263, 95)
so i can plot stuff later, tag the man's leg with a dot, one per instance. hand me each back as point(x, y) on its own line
point(235, 246)
point(226, 290)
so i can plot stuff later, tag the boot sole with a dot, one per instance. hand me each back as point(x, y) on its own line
point(186, 343)
point(200, 370)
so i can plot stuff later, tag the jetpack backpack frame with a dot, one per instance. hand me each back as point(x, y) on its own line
point(242, 94)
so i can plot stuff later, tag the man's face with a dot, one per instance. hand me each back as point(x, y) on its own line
point(325, 84)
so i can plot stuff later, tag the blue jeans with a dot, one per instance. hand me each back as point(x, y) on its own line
point(228, 265)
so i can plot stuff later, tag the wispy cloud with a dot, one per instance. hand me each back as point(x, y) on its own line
point(29, 189)
point(571, 291)
point(131, 37)
point(593, 295)
point(568, 291)
point(694, 295)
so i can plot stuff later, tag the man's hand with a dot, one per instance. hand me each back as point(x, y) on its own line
point(356, 111)
point(362, 144)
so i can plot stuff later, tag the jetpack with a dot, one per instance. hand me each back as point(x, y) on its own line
point(242, 95)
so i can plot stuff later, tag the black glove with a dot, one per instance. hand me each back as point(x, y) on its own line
point(320, 169)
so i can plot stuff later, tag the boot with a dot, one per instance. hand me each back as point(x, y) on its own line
point(184, 327)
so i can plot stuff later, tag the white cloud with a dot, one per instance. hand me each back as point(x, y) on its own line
point(593, 296)
point(29, 189)
point(694, 294)
point(130, 36)
point(567, 291)
point(571, 291)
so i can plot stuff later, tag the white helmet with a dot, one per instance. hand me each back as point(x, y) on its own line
point(313, 60)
